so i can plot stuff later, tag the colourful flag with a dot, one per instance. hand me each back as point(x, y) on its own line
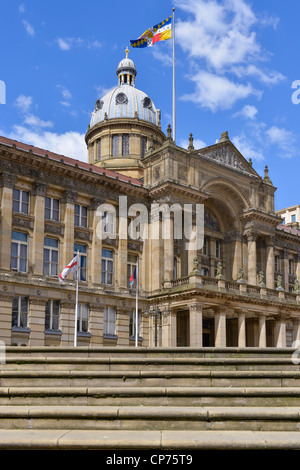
point(70, 268)
point(132, 277)
point(159, 32)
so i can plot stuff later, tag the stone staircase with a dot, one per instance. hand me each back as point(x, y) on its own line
point(149, 398)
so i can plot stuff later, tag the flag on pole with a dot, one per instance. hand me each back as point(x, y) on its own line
point(132, 277)
point(70, 268)
point(159, 32)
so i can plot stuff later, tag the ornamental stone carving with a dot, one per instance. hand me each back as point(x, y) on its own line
point(228, 158)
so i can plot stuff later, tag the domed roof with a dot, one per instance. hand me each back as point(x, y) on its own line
point(125, 101)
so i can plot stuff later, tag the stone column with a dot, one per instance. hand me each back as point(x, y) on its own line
point(262, 337)
point(6, 203)
point(169, 252)
point(296, 332)
point(298, 267)
point(286, 269)
point(68, 201)
point(169, 329)
point(96, 246)
point(196, 337)
point(241, 329)
point(37, 252)
point(220, 328)
point(36, 321)
point(6, 317)
point(66, 323)
point(122, 326)
point(96, 316)
point(251, 241)
point(280, 332)
point(270, 262)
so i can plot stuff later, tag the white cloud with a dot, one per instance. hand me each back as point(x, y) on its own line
point(28, 28)
point(284, 140)
point(247, 148)
point(248, 112)
point(217, 92)
point(35, 121)
point(267, 77)
point(22, 8)
point(23, 103)
point(65, 44)
point(71, 143)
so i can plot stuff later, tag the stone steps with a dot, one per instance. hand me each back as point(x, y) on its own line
point(149, 398)
point(150, 418)
point(136, 378)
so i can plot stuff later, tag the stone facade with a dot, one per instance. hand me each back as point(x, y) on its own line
point(239, 289)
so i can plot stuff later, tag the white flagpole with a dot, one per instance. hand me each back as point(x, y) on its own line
point(76, 306)
point(174, 106)
point(136, 306)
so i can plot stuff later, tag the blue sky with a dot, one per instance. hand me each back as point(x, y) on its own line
point(236, 62)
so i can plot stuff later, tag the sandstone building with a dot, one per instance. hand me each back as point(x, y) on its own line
point(239, 289)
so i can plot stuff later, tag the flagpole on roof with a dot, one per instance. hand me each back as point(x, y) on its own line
point(174, 106)
point(76, 304)
point(136, 306)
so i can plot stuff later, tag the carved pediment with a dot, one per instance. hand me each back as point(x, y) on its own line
point(226, 156)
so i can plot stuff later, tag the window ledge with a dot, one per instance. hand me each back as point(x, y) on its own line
point(109, 336)
point(20, 329)
point(53, 332)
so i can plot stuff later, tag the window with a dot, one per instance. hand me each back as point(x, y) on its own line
point(80, 216)
point(107, 266)
point(175, 268)
point(132, 318)
point(125, 145)
point(52, 315)
point(115, 145)
point(293, 218)
point(283, 221)
point(99, 149)
point(19, 252)
point(291, 266)
point(50, 257)
point(108, 222)
point(21, 201)
point(19, 312)
point(132, 261)
point(82, 261)
point(277, 263)
point(204, 272)
point(205, 246)
point(143, 146)
point(109, 321)
point(82, 318)
point(52, 209)
point(218, 249)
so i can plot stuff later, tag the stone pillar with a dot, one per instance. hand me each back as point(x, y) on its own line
point(298, 267)
point(36, 321)
point(280, 332)
point(220, 328)
point(96, 316)
point(169, 251)
point(67, 322)
point(96, 246)
point(156, 253)
point(262, 337)
point(6, 203)
point(251, 241)
point(241, 329)
point(270, 262)
point(68, 201)
point(296, 332)
point(196, 337)
point(5, 317)
point(286, 269)
point(122, 326)
point(169, 329)
point(37, 252)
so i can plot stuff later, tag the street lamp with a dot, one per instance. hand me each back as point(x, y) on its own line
point(155, 312)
